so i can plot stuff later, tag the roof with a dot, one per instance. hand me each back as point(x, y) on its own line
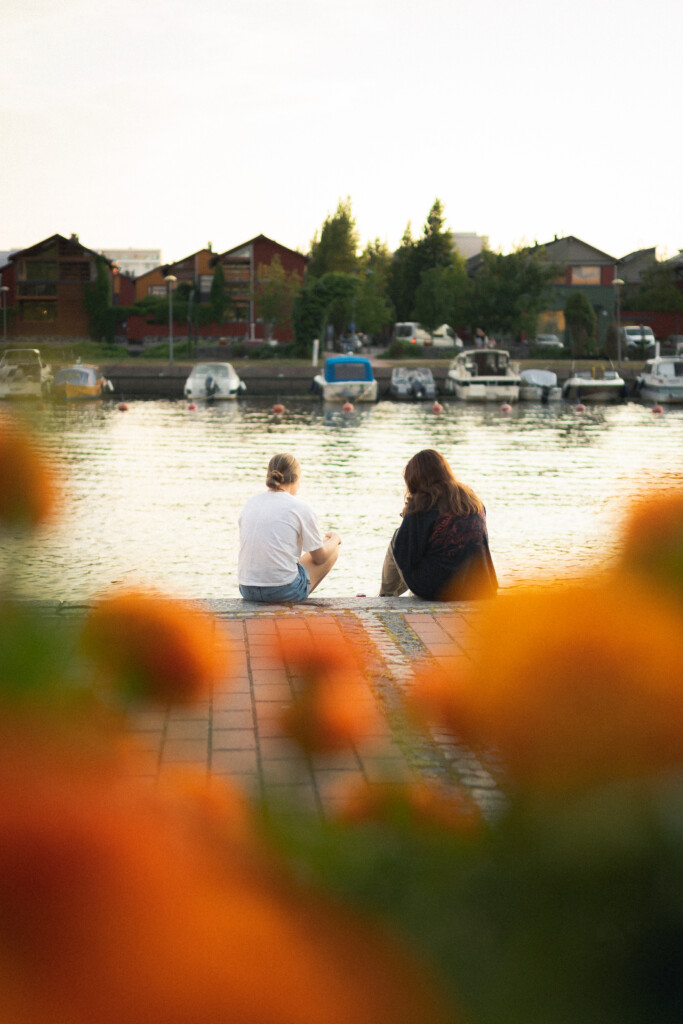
point(34, 250)
point(237, 250)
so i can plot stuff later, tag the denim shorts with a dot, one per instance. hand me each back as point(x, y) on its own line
point(297, 590)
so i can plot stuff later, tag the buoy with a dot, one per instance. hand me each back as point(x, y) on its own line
point(657, 410)
point(437, 407)
point(579, 407)
point(122, 407)
point(505, 407)
point(278, 409)
point(192, 407)
point(347, 407)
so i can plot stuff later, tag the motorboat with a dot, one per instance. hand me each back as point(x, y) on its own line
point(539, 386)
point(24, 374)
point(346, 379)
point(412, 383)
point(596, 385)
point(80, 382)
point(483, 375)
point(213, 382)
point(661, 379)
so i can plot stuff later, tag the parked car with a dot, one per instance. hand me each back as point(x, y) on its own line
point(349, 343)
point(637, 339)
point(548, 341)
point(411, 331)
point(446, 337)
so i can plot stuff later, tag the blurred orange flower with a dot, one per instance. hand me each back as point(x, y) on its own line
point(28, 484)
point(155, 648)
point(415, 802)
point(112, 909)
point(653, 539)
point(570, 685)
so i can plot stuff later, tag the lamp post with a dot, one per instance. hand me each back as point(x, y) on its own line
point(170, 281)
point(4, 289)
point(616, 284)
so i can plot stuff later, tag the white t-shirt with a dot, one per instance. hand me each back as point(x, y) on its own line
point(275, 527)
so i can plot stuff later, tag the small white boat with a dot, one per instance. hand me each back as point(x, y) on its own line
point(539, 386)
point(661, 379)
point(596, 385)
point(483, 375)
point(346, 379)
point(80, 382)
point(213, 382)
point(24, 374)
point(412, 383)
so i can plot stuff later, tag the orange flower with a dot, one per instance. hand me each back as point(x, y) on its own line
point(112, 909)
point(28, 488)
point(570, 685)
point(416, 802)
point(156, 648)
point(653, 539)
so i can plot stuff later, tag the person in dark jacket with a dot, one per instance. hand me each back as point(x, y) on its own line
point(441, 549)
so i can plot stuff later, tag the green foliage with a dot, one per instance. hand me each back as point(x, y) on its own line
point(657, 291)
point(275, 293)
point(323, 301)
point(335, 251)
point(443, 295)
point(413, 258)
point(405, 350)
point(218, 299)
point(581, 320)
point(97, 298)
point(510, 291)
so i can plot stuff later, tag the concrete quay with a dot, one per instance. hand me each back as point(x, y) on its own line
point(237, 734)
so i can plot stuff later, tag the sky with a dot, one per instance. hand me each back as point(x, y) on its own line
point(169, 125)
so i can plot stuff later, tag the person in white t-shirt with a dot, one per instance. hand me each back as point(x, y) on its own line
point(283, 554)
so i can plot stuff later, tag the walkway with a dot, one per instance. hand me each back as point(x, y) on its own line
point(237, 733)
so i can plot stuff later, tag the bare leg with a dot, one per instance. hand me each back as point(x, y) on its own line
point(393, 584)
point(318, 573)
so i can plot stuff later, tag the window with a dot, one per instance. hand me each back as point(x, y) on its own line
point(39, 270)
point(37, 288)
point(74, 271)
point(585, 275)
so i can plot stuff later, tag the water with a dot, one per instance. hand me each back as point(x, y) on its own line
point(155, 492)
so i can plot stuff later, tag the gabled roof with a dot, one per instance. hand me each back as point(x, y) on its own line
point(570, 249)
point(239, 250)
point(34, 250)
point(639, 254)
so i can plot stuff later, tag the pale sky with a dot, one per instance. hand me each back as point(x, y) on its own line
point(171, 124)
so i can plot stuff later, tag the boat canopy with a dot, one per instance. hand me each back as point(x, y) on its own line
point(539, 378)
point(76, 375)
point(213, 369)
point(485, 362)
point(344, 368)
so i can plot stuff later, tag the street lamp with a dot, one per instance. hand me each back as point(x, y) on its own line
point(4, 289)
point(170, 281)
point(617, 283)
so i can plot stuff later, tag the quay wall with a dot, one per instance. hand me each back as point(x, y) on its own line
point(271, 379)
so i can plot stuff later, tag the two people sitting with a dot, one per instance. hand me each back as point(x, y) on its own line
point(439, 552)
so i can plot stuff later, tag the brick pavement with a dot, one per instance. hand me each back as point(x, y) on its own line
point(237, 732)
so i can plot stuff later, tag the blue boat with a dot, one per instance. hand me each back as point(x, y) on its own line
point(346, 379)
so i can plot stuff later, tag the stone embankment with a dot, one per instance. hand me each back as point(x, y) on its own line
point(277, 380)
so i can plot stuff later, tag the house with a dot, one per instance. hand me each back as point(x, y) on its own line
point(635, 264)
point(46, 285)
point(196, 269)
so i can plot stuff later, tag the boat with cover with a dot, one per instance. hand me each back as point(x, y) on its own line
point(80, 382)
point(413, 383)
point(24, 374)
point(483, 375)
point(661, 379)
point(595, 385)
point(213, 382)
point(539, 386)
point(346, 379)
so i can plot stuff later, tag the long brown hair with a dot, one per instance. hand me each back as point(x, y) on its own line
point(430, 481)
point(282, 469)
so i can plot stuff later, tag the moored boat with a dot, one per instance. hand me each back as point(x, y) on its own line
point(661, 379)
point(213, 381)
point(24, 374)
point(596, 385)
point(539, 386)
point(413, 383)
point(346, 379)
point(80, 382)
point(483, 375)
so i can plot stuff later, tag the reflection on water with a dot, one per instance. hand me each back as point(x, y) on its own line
point(154, 493)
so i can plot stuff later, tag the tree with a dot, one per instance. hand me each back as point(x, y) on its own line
point(97, 297)
point(435, 248)
point(581, 320)
point(443, 295)
point(510, 291)
point(335, 251)
point(323, 301)
point(657, 291)
point(404, 277)
point(218, 299)
point(275, 293)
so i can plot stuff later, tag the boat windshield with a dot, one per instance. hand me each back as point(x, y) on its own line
point(214, 369)
point(487, 363)
point(74, 375)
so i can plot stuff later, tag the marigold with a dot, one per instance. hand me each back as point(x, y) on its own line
point(571, 685)
point(28, 484)
point(390, 803)
point(653, 539)
point(155, 648)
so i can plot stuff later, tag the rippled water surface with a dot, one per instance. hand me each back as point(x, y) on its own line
point(155, 492)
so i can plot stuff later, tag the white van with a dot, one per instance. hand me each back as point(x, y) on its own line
point(637, 338)
point(411, 331)
point(445, 337)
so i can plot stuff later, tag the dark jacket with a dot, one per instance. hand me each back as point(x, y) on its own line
point(445, 557)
